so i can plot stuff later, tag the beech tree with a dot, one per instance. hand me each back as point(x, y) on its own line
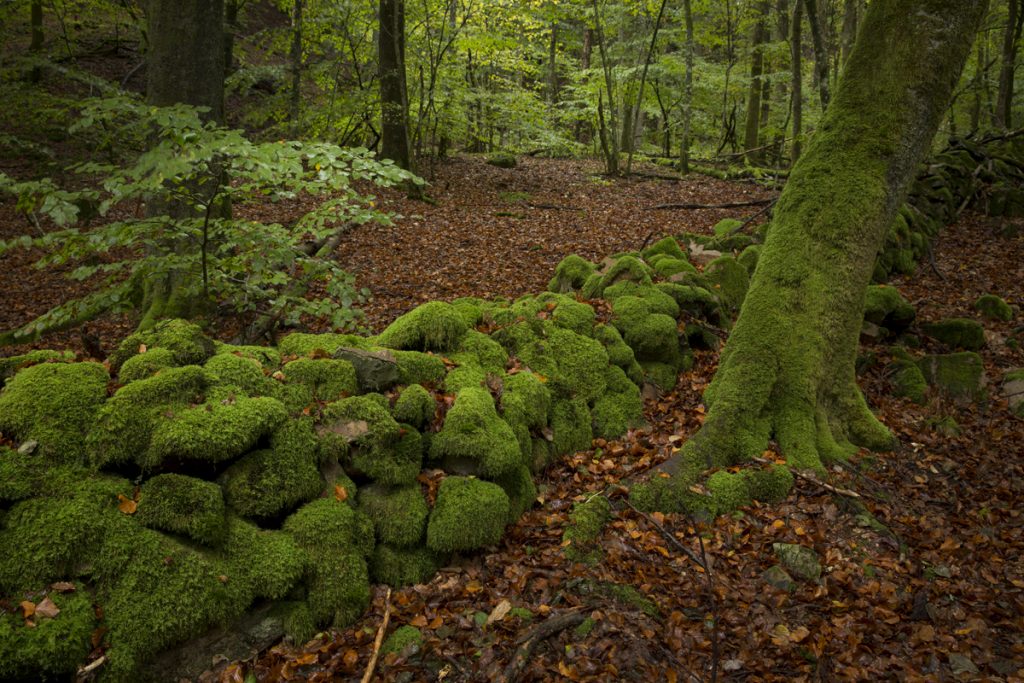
point(787, 371)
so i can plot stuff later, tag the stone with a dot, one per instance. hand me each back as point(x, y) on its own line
point(1013, 390)
point(802, 562)
point(777, 577)
point(960, 376)
point(375, 370)
point(958, 333)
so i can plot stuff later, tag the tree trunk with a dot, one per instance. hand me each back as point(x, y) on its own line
point(1004, 100)
point(230, 31)
point(185, 64)
point(820, 52)
point(684, 152)
point(553, 65)
point(796, 56)
point(787, 371)
point(295, 95)
point(756, 85)
point(36, 44)
point(636, 124)
point(850, 14)
point(393, 103)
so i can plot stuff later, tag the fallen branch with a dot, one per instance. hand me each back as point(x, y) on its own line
point(529, 641)
point(726, 205)
point(379, 639)
point(766, 208)
point(91, 666)
point(806, 476)
point(669, 536)
point(554, 207)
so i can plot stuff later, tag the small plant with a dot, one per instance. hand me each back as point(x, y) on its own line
point(182, 242)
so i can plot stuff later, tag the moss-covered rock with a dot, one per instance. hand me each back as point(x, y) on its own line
point(183, 505)
point(656, 299)
point(667, 246)
point(399, 567)
point(586, 522)
point(147, 364)
point(521, 491)
point(748, 258)
point(419, 368)
point(474, 440)
point(260, 563)
point(570, 274)
point(667, 267)
point(10, 365)
point(405, 639)
point(652, 336)
point(961, 376)
point(43, 648)
point(300, 344)
point(434, 326)
point(957, 333)
point(728, 491)
point(993, 308)
point(770, 485)
point(267, 356)
point(885, 306)
point(54, 404)
point(362, 422)
point(625, 268)
point(415, 406)
point(619, 352)
point(619, 409)
point(572, 364)
point(729, 279)
point(1013, 390)
point(324, 380)
point(571, 426)
point(399, 513)
point(229, 369)
point(469, 514)
point(182, 338)
point(908, 381)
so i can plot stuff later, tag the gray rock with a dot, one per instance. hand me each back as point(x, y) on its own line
point(375, 370)
point(777, 577)
point(802, 562)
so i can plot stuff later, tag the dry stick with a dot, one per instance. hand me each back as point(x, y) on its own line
point(379, 639)
point(750, 220)
point(814, 480)
point(668, 536)
point(554, 207)
point(92, 666)
point(726, 205)
point(714, 604)
point(532, 638)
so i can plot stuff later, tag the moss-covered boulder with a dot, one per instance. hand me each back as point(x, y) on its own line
point(885, 306)
point(907, 380)
point(619, 409)
point(624, 268)
point(652, 336)
point(237, 370)
point(399, 513)
point(993, 308)
point(468, 514)
point(666, 246)
point(54, 404)
point(183, 505)
point(361, 431)
point(434, 326)
point(415, 406)
point(44, 647)
point(729, 280)
point(405, 640)
point(960, 376)
point(146, 364)
point(1013, 390)
point(10, 365)
point(399, 567)
point(570, 274)
point(183, 339)
point(375, 370)
point(957, 333)
point(474, 440)
point(586, 522)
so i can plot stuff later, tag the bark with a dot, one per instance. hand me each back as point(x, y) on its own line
point(820, 52)
point(756, 85)
point(553, 65)
point(684, 152)
point(850, 14)
point(1011, 36)
point(634, 114)
point(296, 68)
point(607, 129)
point(36, 45)
point(787, 371)
point(393, 103)
point(230, 31)
point(796, 56)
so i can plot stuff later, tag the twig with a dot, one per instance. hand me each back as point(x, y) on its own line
point(750, 220)
point(669, 537)
point(806, 476)
point(532, 638)
point(714, 605)
point(554, 207)
point(726, 205)
point(379, 639)
point(92, 666)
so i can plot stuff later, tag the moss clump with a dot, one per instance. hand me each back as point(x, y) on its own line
point(228, 369)
point(399, 567)
point(571, 426)
point(358, 421)
point(618, 410)
point(625, 268)
point(726, 227)
point(501, 160)
point(183, 505)
point(662, 375)
point(143, 365)
point(267, 482)
point(652, 336)
point(266, 356)
point(419, 368)
point(728, 491)
point(993, 308)
point(667, 267)
point(434, 326)
point(586, 522)
point(50, 648)
point(885, 306)
point(326, 379)
point(260, 563)
point(666, 245)
point(570, 274)
point(19, 474)
point(748, 258)
point(405, 639)
point(182, 338)
point(656, 299)
point(572, 364)
point(54, 404)
point(125, 424)
point(223, 428)
point(469, 514)
point(521, 491)
point(301, 344)
point(12, 364)
point(908, 381)
point(474, 440)
point(957, 333)
point(399, 513)
point(961, 376)
point(525, 399)
point(415, 406)
point(479, 358)
point(729, 279)
point(770, 485)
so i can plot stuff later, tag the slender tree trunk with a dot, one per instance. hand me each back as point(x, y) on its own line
point(820, 52)
point(684, 152)
point(608, 130)
point(756, 86)
point(230, 30)
point(787, 371)
point(976, 85)
point(1004, 100)
point(588, 38)
point(296, 68)
point(36, 44)
point(850, 14)
point(553, 65)
point(796, 58)
point(634, 114)
point(393, 103)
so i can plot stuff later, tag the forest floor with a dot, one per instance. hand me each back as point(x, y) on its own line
point(923, 573)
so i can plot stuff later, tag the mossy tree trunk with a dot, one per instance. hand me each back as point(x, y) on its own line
point(787, 371)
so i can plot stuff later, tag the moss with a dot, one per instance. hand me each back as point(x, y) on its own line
point(961, 376)
point(265, 483)
point(260, 563)
point(223, 428)
point(521, 491)
point(434, 326)
point(399, 567)
point(474, 440)
point(501, 160)
point(12, 364)
point(657, 300)
point(728, 491)
point(301, 344)
point(183, 505)
point(570, 274)
point(143, 365)
point(400, 463)
point(667, 267)
point(19, 475)
point(726, 227)
point(415, 406)
point(360, 421)
point(885, 306)
point(51, 648)
point(488, 352)
point(584, 628)
point(958, 333)
point(625, 268)
point(586, 522)
point(652, 336)
point(328, 525)
point(326, 379)
point(666, 245)
point(468, 514)
point(662, 375)
point(405, 639)
point(572, 364)
point(770, 485)
point(618, 410)
point(479, 358)
point(619, 352)
point(471, 309)
point(419, 368)
point(571, 426)
point(700, 336)
point(54, 404)
point(994, 308)
point(748, 258)
point(125, 424)
point(729, 279)
point(228, 369)
point(908, 381)
point(399, 513)
point(266, 356)
point(184, 339)
point(526, 399)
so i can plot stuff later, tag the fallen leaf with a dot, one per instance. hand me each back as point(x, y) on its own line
point(63, 587)
point(127, 505)
point(47, 609)
point(499, 612)
point(340, 493)
point(28, 608)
